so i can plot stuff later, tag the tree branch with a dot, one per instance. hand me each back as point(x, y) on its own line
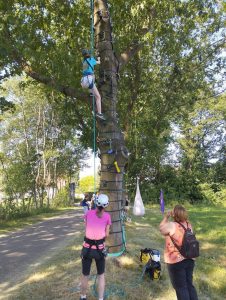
point(66, 90)
point(129, 53)
point(135, 45)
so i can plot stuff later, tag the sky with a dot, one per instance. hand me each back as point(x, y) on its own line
point(89, 170)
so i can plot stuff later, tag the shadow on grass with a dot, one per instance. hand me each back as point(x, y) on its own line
point(59, 279)
point(53, 280)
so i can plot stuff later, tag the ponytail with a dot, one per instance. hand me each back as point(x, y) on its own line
point(99, 211)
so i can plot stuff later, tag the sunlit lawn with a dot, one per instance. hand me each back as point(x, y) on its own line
point(59, 278)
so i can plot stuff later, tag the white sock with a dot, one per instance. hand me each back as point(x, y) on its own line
point(101, 298)
point(83, 296)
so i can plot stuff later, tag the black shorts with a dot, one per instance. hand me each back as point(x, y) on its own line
point(87, 256)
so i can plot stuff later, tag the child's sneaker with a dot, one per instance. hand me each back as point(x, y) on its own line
point(82, 298)
point(100, 116)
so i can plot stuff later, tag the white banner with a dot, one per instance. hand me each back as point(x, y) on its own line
point(138, 207)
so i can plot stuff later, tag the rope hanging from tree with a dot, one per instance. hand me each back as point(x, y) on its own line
point(93, 98)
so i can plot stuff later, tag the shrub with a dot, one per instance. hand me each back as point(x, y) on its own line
point(61, 199)
point(213, 195)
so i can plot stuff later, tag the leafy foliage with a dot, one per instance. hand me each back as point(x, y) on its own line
point(39, 151)
point(86, 184)
point(178, 65)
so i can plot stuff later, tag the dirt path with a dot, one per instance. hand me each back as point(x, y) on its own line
point(27, 248)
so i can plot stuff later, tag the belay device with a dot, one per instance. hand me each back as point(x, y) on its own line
point(151, 259)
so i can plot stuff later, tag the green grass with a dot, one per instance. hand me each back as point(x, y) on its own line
point(14, 224)
point(59, 277)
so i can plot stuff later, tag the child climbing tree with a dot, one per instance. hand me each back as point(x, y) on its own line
point(44, 39)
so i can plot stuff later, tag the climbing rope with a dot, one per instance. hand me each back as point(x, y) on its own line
point(112, 290)
point(93, 98)
point(123, 232)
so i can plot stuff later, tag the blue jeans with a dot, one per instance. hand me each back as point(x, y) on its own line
point(181, 274)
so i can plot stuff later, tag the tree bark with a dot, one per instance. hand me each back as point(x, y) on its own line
point(110, 138)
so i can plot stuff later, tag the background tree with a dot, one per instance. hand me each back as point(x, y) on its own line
point(202, 142)
point(39, 151)
point(174, 42)
point(85, 184)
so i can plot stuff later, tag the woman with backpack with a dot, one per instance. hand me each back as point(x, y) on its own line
point(180, 267)
point(98, 224)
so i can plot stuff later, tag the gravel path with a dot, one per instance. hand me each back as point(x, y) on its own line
point(27, 248)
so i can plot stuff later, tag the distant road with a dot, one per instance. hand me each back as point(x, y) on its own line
point(25, 248)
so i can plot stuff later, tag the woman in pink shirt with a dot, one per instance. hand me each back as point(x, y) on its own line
point(98, 224)
point(180, 268)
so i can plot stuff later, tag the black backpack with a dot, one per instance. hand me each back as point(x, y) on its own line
point(190, 245)
point(153, 269)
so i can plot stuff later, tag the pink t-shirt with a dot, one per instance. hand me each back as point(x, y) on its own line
point(171, 253)
point(96, 226)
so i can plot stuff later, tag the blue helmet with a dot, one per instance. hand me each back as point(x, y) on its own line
point(85, 52)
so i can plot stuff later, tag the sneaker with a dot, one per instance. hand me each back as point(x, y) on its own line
point(82, 298)
point(100, 116)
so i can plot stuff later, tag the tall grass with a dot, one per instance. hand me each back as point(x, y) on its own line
point(59, 277)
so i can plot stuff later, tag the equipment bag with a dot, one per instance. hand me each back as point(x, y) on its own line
point(190, 245)
point(145, 255)
point(151, 259)
point(153, 269)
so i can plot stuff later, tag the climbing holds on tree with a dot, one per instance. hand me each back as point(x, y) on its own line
point(124, 152)
point(103, 14)
point(117, 167)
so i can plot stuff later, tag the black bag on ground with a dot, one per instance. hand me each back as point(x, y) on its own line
point(151, 259)
point(153, 269)
point(190, 245)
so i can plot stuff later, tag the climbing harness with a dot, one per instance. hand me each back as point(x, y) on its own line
point(97, 243)
point(87, 82)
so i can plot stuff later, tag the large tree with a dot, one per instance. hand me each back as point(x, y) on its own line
point(157, 48)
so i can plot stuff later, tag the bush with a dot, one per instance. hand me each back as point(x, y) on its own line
point(61, 199)
point(10, 210)
point(212, 194)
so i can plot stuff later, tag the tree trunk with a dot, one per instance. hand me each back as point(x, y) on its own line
point(34, 194)
point(110, 138)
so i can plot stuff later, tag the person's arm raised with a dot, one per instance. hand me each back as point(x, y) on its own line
point(166, 227)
